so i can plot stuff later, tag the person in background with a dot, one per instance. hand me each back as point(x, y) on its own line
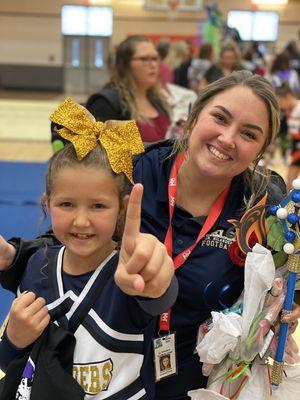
point(281, 73)
point(253, 59)
point(192, 187)
point(179, 54)
point(229, 60)
point(79, 279)
point(257, 51)
point(165, 72)
point(200, 65)
point(133, 91)
point(181, 72)
point(290, 105)
point(283, 139)
point(293, 50)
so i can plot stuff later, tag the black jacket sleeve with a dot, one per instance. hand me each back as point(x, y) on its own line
point(107, 104)
point(11, 278)
point(102, 110)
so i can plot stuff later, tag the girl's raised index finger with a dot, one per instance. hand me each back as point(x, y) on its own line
point(133, 214)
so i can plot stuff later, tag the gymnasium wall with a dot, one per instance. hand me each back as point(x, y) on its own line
point(31, 43)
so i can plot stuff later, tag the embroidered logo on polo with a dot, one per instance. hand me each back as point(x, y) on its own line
point(94, 377)
point(220, 238)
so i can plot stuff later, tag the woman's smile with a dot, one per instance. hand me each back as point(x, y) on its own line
point(218, 154)
point(228, 136)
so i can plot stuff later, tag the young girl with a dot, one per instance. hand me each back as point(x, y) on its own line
point(86, 199)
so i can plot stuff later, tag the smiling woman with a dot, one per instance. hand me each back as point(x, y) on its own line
point(224, 137)
point(192, 188)
point(133, 91)
point(227, 136)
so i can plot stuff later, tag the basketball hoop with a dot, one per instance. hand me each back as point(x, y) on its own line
point(172, 9)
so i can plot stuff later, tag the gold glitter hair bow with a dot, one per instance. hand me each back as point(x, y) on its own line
point(121, 139)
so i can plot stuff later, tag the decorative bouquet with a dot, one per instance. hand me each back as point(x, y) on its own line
point(235, 344)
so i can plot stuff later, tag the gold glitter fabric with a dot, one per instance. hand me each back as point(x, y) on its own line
point(121, 139)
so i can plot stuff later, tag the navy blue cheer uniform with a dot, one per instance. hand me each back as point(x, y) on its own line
point(113, 356)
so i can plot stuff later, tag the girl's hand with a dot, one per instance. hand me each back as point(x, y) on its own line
point(27, 319)
point(7, 254)
point(144, 268)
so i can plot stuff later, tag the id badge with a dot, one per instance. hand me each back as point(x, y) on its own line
point(165, 361)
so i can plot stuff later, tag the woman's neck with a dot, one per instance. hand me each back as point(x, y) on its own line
point(140, 93)
point(144, 105)
point(227, 71)
point(197, 193)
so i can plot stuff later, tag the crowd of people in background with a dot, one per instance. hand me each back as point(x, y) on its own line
point(146, 77)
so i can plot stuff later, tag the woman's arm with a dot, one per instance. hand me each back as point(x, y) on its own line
point(102, 110)
point(106, 105)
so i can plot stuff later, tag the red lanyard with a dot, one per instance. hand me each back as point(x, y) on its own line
point(214, 213)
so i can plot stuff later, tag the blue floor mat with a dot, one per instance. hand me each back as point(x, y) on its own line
point(21, 182)
point(21, 188)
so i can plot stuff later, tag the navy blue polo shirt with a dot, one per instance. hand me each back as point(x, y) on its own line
point(208, 280)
